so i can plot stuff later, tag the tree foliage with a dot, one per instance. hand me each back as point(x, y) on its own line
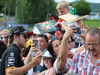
point(33, 11)
point(83, 7)
point(8, 6)
point(28, 11)
point(1, 6)
point(21, 11)
point(71, 4)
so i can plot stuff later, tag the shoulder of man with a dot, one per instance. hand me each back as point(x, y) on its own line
point(83, 53)
point(9, 58)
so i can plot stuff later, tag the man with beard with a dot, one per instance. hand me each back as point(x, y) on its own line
point(86, 62)
point(12, 63)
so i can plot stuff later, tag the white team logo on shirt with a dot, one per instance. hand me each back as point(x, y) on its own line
point(11, 54)
point(11, 59)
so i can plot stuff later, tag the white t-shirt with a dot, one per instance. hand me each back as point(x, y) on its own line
point(68, 64)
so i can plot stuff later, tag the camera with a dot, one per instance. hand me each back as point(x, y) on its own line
point(78, 30)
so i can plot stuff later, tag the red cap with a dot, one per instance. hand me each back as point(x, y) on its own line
point(30, 33)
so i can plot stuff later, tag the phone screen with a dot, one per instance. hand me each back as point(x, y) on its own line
point(78, 30)
point(36, 43)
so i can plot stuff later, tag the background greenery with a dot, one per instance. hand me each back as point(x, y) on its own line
point(34, 11)
point(95, 7)
point(92, 23)
point(28, 11)
point(82, 7)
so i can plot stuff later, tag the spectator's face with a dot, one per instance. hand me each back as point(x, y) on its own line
point(42, 44)
point(92, 43)
point(4, 35)
point(4, 39)
point(47, 62)
point(34, 36)
point(22, 39)
point(56, 46)
point(62, 11)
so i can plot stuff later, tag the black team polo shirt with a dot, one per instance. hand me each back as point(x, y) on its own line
point(11, 58)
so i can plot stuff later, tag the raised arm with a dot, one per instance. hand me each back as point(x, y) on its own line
point(62, 54)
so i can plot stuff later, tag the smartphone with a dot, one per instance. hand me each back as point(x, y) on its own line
point(33, 54)
point(78, 30)
point(36, 43)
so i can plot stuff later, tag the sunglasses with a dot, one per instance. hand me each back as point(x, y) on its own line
point(25, 36)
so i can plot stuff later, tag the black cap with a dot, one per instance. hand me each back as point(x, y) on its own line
point(17, 30)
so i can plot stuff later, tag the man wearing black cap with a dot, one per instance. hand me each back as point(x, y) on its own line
point(11, 60)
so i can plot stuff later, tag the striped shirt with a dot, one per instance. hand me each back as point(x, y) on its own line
point(82, 65)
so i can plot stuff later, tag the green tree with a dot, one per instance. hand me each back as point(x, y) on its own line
point(83, 7)
point(71, 4)
point(8, 6)
point(21, 11)
point(33, 11)
point(1, 6)
point(28, 11)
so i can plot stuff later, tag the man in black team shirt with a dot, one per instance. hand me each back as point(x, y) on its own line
point(12, 63)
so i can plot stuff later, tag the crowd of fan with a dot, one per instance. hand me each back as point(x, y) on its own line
point(70, 54)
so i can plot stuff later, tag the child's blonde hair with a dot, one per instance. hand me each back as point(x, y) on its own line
point(62, 4)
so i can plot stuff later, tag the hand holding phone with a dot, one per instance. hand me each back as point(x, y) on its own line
point(77, 29)
point(35, 42)
point(33, 54)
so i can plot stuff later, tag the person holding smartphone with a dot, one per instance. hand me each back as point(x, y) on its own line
point(42, 45)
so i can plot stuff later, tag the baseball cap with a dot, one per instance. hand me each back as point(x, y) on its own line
point(30, 33)
point(46, 54)
point(17, 30)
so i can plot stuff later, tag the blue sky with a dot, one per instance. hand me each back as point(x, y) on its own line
point(92, 1)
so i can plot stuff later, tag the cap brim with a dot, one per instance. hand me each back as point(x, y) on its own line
point(29, 33)
point(47, 54)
